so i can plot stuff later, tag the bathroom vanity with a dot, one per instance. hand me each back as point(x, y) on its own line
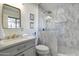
point(18, 47)
point(15, 46)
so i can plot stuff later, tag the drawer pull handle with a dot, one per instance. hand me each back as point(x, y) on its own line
point(24, 46)
point(18, 49)
point(22, 55)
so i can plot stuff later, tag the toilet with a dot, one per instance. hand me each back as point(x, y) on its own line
point(42, 50)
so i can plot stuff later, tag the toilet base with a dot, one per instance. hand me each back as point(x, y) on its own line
point(37, 54)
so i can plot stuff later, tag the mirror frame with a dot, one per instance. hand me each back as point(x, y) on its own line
point(3, 13)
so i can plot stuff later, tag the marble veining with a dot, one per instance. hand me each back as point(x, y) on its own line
point(65, 25)
point(69, 40)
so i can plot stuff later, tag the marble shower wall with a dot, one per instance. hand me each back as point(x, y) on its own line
point(65, 25)
point(68, 38)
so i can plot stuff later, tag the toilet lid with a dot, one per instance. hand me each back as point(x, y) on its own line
point(42, 47)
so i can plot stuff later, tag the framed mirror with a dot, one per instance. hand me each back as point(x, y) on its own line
point(11, 17)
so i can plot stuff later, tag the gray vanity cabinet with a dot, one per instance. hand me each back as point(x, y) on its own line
point(25, 48)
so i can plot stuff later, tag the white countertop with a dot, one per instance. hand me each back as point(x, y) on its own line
point(10, 42)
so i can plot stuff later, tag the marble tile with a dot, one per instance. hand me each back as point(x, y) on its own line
point(65, 38)
point(71, 35)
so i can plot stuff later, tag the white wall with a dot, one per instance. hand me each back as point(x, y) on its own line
point(47, 37)
point(41, 19)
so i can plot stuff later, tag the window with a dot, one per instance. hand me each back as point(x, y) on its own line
point(18, 23)
point(13, 22)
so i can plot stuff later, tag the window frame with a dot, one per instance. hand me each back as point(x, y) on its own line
point(15, 22)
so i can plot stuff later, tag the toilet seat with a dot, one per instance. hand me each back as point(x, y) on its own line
point(42, 49)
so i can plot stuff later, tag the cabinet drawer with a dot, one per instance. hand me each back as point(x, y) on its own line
point(29, 52)
point(26, 45)
point(19, 48)
point(11, 51)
